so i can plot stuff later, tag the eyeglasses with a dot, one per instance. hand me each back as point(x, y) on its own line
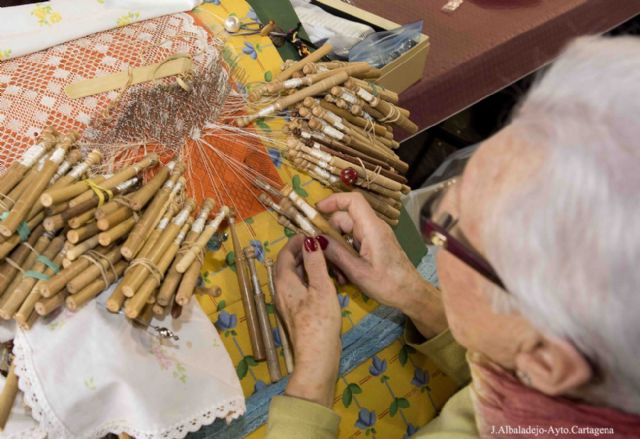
point(438, 233)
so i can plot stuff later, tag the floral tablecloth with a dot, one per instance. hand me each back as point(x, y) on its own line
point(385, 390)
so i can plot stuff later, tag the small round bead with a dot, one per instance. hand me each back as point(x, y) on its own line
point(348, 176)
point(232, 24)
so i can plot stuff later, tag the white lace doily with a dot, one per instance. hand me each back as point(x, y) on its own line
point(91, 373)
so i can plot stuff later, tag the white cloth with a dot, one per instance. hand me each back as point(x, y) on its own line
point(20, 424)
point(91, 373)
point(30, 28)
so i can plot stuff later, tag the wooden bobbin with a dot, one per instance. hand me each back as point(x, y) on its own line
point(60, 280)
point(9, 271)
point(294, 98)
point(16, 171)
point(114, 218)
point(173, 277)
point(46, 306)
point(137, 274)
point(153, 214)
point(253, 326)
point(194, 250)
point(284, 338)
point(24, 204)
point(118, 178)
point(74, 236)
point(82, 247)
point(82, 219)
point(49, 250)
point(94, 288)
point(149, 286)
point(22, 316)
point(317, 55)
point(99, 265)
point(314, 216)
point(110, 236)
point(8, 396)
point(141, 197)
point(263, 318)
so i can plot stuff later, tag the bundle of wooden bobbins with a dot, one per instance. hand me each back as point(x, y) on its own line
point(68, 235)
point(341, 132)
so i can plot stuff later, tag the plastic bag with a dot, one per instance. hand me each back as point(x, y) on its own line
point(380, 48)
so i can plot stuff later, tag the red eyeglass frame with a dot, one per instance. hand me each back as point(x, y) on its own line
point(438, 235)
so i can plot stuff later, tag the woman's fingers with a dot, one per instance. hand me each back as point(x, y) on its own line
point(352, 266)
point(342, 221)
point(288, 264)
point(351, 202)
point(316, 266)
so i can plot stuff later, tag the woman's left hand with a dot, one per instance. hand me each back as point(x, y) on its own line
point(308, 304)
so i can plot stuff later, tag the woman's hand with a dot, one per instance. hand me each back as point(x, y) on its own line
point(383, 271)
point(308, 304)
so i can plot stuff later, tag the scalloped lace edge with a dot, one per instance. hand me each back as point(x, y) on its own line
point(43, 414)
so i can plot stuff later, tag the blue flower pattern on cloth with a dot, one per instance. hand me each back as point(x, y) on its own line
point(343, 299)
point(420, 377)
point(378, 366)
point(248, 49)
point(226, 321)
point(366, 419)
point(276, 337)
point(276, 157)
point(411, 430)
point(259, 249)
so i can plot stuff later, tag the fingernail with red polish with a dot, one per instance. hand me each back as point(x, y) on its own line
point(310, 244)
point(324, 242)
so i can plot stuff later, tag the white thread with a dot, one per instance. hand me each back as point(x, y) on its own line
point(62, 169)
point(78, 170)
point(168, 185)
point(180, 237)
point(364, 94)
point(332, 132)
point(164, 222)
point(349, 97)
point(306, 208)
point(127, 184)
point(177, 187)
point(320, 154)
point(266, 111)
point(305, 134)
point(198, 225)
point(57, 156)
point(32, 154)
point(171, 165)
point(181, 218)
point(292, 83)
point(41, 163)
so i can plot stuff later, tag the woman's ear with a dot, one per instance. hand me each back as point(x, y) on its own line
point(554, 367)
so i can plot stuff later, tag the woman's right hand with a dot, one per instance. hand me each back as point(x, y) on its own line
point(382, 271)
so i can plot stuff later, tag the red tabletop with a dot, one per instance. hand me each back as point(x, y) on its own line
point(486, 45)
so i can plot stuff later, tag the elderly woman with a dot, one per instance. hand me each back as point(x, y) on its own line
point(539, 270)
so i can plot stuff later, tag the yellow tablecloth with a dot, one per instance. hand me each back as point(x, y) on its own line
point(387, 396)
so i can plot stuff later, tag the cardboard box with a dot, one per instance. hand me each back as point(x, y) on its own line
point(402, 72)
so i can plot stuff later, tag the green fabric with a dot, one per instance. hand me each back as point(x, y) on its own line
point(296, 418)
point(285, 18)
point(409, 238)
point(444, 351)
point(291, 418)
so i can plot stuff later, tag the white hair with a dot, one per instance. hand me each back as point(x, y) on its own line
point(567, 242)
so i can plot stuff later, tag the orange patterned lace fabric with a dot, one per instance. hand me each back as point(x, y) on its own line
point(32, 97)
